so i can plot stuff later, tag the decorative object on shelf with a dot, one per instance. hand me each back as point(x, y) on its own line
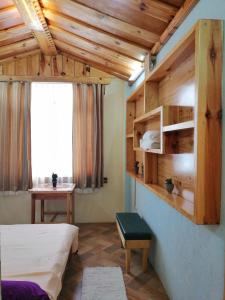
point(152, 62)
point(150, 140)
point(169, 185)
point(54, 180)
point(142, 170)
point(136, 167)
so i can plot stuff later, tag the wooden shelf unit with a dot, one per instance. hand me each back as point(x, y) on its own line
point(181, 98)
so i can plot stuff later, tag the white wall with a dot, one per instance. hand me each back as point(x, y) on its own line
point(102, 205)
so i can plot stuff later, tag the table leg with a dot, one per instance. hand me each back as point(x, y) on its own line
point(32, 209)
point(68, 208)
point(72, 207)
point(42, 210)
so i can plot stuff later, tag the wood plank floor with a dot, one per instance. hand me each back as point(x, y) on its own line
point(99, 245)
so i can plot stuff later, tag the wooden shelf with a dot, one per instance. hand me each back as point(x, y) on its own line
point(148, 116)
point(186, 125)
point(179, 126)
point(138, 93)
point(158, 151)
point(176, 201)
point(136, 177)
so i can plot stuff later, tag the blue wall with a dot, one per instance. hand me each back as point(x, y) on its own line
point(188, 258)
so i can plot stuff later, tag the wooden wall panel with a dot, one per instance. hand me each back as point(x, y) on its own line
point(49, 68)
point(178, 88)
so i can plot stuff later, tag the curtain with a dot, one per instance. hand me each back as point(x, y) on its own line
point(88, 136)
point(51, 132)
point(15, 143)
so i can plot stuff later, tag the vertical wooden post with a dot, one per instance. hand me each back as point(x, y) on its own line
point(145, 252)
point(208, 114)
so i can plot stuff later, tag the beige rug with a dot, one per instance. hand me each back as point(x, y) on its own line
point(103, 283)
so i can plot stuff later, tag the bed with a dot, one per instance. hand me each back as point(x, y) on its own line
point(37, 253)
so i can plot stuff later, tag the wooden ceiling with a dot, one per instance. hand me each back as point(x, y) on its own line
point(114, 36)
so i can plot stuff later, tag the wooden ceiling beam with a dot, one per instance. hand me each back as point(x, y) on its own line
point(33, 17)
point(17, 48)
point(94, 35)
point(176, 21)
point(92, 59)
point(84, 44)
point(102, 21)
point(14, 34)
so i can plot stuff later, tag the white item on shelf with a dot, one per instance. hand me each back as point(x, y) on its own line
point(150, 140)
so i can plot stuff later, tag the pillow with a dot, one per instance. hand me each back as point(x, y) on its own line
point(22, 290)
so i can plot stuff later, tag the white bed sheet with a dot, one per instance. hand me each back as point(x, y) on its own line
point(37, 253)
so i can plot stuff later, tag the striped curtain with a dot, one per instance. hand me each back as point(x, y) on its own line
point(15, 140)
point(88, 136)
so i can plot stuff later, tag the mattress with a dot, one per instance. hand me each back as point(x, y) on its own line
point(37, 253)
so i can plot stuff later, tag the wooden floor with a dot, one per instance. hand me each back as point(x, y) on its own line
point(99, 245)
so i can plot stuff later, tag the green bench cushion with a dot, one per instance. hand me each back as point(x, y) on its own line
point(133, 227)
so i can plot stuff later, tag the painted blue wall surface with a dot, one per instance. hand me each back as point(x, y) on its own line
point(188, 258)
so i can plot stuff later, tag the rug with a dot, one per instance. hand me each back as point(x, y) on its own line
point(103, 283)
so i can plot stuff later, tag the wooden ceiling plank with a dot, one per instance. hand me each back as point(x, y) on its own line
point(33, 17)
point(10, 22)
point(9, 17)
point(86, 56)
point(91, 47)
point(139, 13)
point(177, 20)
point(20, 55)
point(5, 3)
point(17, 48)
point(14, 34)
point(9, 12)
point(94, 35)
point(102, 21)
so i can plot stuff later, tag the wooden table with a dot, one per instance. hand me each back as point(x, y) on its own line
point(47, 192)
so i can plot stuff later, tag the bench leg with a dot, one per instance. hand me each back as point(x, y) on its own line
point(145, 252)
point(128, 258)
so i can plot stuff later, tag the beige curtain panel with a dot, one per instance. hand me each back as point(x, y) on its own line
point(15, 141)
point(88, 136)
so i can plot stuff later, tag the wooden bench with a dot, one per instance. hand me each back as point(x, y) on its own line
point(134, 234)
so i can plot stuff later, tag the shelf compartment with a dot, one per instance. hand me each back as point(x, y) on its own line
point(149, 121)
point(179, 141)
point(179, 126)
point(182, 50)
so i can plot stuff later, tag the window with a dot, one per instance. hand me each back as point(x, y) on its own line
point(51, 131)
